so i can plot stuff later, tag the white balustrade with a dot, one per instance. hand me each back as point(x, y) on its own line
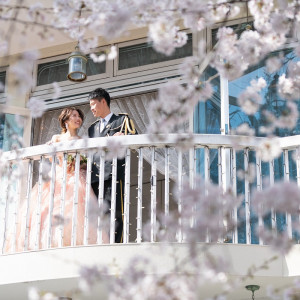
point(148, 198)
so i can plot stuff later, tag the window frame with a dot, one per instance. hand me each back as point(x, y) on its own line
point(170, 64)
point(224, 83)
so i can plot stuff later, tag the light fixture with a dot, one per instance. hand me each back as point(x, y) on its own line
point(252, 288)
point(77, 66)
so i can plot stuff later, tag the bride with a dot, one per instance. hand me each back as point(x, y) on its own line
point(70, 120)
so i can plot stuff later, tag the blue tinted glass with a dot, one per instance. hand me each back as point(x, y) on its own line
point(207, 120)
point(10, 131)
point(207, 114)
point(271, 102)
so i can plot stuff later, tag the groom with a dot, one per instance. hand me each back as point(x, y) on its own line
point(109, 124)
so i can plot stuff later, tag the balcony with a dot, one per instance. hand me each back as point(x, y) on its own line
point(152, 171)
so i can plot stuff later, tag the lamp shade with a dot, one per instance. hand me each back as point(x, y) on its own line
point(77, 66)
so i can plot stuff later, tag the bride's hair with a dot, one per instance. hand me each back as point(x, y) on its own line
point(65, 115)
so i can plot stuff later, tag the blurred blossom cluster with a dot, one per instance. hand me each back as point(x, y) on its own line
point(289, 86)
point(206, 213)
point(37, 107)
point(269, 149)
point(166, 37)
point(250, 99)
point(175, 101)
point(21, 72)
point(210, 208)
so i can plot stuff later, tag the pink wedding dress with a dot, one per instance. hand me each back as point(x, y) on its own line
point(42, 215)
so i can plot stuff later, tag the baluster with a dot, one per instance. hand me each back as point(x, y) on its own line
point(101, 197)
point(179, 233)
point(126, 197)
point(51, 201)
point(298, 171)
point(272, 176)
point(6, 208)
point(207, 179)
point(287, 178)
point(38, 211)
point(87, 198)
point(192, 177)
point(113, 201)
point(259, 188)
point(247, 197)
point(192, 170)
point(167, 183)
point(153, 194)
point(17, 203)
point(220, 166)
point(75, 200)
point(140, 196)
point(234, 190)
point(298, 165)
point(63, 198)
point(221, 185)
point(27, 201)
point(206, 165)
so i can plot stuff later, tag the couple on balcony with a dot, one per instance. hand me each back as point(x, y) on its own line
point(71, 120)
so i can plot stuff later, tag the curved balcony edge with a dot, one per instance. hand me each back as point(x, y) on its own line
point(57, 270)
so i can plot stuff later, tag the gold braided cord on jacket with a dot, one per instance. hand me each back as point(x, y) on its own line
point(128, 126)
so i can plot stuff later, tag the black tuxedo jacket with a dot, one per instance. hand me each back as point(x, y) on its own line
point(113, 126)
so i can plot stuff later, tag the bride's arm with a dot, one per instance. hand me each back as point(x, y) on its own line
point(54, 139)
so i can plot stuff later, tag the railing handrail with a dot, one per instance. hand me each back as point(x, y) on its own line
point(145, 140)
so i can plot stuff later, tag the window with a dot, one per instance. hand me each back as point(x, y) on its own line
point(207, 120)
point(50, 72)
point(2, 86)
point(2, 77)
point(207, 114)
point(15, 127)
point(141, 69)
point(140, 56)
point(207, 117)
point(144, 54)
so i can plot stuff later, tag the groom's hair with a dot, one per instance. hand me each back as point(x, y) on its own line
point(99, 94)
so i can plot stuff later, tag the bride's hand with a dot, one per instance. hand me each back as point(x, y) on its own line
point(83, 166)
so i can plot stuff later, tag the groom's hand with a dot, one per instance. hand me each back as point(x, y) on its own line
point(118, 133)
